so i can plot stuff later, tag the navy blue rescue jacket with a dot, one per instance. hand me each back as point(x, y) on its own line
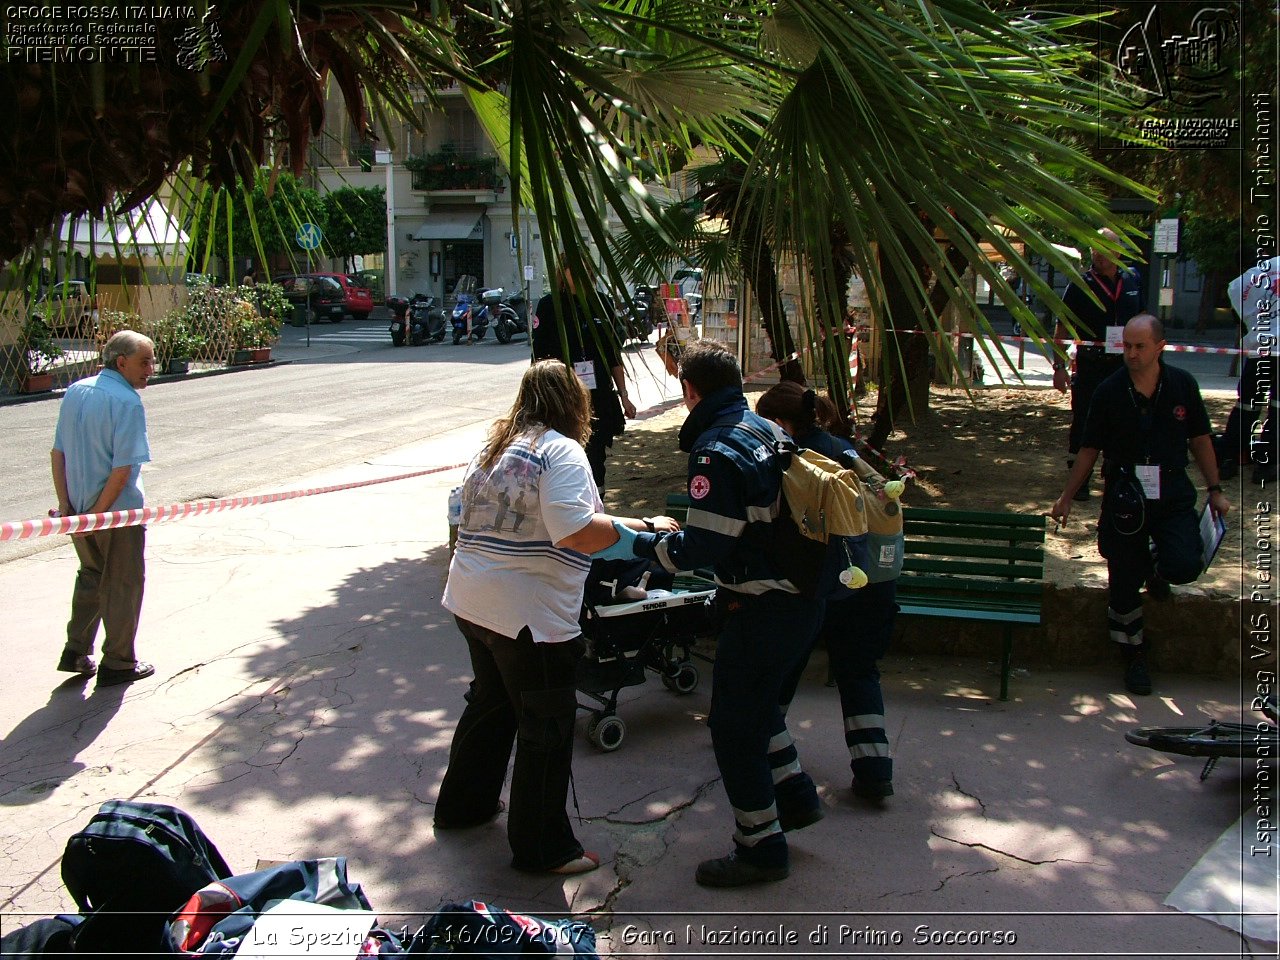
point(735, 480)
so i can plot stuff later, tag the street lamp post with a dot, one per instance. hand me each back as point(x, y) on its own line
point(389, 273)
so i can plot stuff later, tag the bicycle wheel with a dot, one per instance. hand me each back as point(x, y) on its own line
point(1213, 740)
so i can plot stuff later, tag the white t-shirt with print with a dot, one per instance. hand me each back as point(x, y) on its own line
point(507, 572)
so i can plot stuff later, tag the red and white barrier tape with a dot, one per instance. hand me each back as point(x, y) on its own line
point(1169, 347)
point(91, 522)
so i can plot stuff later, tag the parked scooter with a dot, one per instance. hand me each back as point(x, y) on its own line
point(415, 321)
point(399, 308)
point(511, 316)
point(646, 311)
point(426, 320)
point(470, 313)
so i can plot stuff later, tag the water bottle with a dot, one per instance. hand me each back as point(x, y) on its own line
point(455, 516)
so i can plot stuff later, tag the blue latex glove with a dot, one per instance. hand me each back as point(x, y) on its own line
point(624, 549)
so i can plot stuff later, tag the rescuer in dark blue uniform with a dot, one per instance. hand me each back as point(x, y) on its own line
point(1119, 300)
point(1144, 420)
point(857, 626)
point(734, 484)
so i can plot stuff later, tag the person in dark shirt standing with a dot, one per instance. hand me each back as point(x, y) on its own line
point(592, 353)
point(1119, 300)
point(1145, 420)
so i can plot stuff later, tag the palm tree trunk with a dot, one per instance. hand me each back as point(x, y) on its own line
point(763, 274)
point(906, 368)
point(837, 344)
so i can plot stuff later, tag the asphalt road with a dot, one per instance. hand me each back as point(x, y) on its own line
point(346, 397)
point(349, 396)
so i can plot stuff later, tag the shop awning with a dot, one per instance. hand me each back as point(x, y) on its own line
point(450, 225)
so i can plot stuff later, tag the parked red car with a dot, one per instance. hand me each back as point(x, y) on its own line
point(358, 300)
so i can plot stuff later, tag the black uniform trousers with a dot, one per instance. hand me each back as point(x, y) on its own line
point(857, 632)
point(1171, 525)
point(523, 694)
point(764, 642)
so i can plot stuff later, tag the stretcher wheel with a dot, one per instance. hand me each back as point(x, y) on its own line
point(684, 681)
point(606, 732)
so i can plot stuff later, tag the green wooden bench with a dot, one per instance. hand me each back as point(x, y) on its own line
point(678, 506)
point(965, 565)
point(973, 565)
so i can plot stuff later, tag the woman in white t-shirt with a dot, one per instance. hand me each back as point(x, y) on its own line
point(530, 515)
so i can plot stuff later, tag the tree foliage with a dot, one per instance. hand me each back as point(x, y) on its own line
point(261, 222)
point(919, 134)
point(355, 221)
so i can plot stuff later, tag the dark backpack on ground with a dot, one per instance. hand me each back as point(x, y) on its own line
point(130, 867)
point(48, 937)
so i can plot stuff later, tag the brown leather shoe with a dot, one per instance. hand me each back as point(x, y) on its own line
point(80, 663)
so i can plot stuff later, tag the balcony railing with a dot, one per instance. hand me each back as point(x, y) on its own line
point(450, 169)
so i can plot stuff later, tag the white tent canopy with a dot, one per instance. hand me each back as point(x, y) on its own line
point(147, 230)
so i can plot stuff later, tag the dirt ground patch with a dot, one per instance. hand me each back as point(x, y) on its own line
point(997, 448)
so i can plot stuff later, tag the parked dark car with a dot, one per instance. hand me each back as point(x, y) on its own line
point(359, 299)
point(324, 297)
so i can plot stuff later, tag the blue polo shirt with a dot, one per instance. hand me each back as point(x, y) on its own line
point(101, 427)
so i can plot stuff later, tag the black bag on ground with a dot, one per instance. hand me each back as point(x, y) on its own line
point(48, 937)
point(130, 867)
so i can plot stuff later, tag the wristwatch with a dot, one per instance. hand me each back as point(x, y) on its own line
point(1213, 488)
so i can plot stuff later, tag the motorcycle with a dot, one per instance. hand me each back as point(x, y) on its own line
point(470, 314)
point(511, 315)
point(640, 321)
point(426, 320)
point(399, 308)
point(415, 321)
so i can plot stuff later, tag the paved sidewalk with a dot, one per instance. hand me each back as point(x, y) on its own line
point(308, 684)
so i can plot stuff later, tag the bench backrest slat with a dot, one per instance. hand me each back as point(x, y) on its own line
point(920, 584)
point(985, 551)
point(991, 531)
point(968, 568)
point(979, 517)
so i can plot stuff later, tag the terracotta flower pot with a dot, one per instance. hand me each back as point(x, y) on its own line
point(37, 383)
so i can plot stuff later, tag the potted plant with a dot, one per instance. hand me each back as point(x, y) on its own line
point(254, 330)
point(175, 343)
point(38, 351)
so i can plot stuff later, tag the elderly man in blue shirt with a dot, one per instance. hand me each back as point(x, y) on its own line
point(99, 448)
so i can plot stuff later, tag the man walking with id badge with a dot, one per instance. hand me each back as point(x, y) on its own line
point(1146, 420)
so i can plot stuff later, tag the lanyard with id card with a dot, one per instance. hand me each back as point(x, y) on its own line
point(586, 371)
point(1148, 475)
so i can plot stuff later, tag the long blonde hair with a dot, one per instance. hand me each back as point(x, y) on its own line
point(550, 396)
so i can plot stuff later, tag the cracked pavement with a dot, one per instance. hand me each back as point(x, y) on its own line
point(306, 691)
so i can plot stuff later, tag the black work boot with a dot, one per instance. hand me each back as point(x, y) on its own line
point(732, 871)
point(1137, 678)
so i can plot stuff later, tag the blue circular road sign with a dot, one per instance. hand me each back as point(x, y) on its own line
point(308, 236)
